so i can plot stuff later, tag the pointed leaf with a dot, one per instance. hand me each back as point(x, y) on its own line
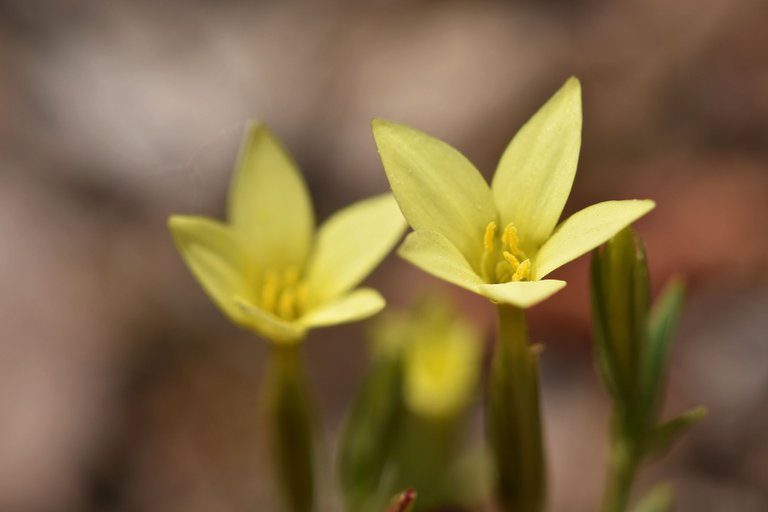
point(663, 321)
point(659, 499)
point(351, 243)
point(663, 437)
point(370, 431)
point(437, 188)
point(269, 202)
point(535, 173)
point(521, 294)
point(604, 358)
point(585, 230)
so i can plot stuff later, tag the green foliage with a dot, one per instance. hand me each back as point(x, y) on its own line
point(514, 418)
point(632, 345)
point(291, 425)
point(390, 442)
point(659, 499)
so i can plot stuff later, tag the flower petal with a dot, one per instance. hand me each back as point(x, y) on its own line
point(535, 173)
point(585, 230)
point(437, 188)
point(267, 325)
point(435, 254)
point(356, 305)
point(217, 258)
point(269, 202)
point(351, 243)
point(522, 294)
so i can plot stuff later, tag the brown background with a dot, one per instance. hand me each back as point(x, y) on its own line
point(122, 388)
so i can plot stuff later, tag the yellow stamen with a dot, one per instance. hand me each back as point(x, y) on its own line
point(513, 262)
point(302, 294)
point(490, 232)
point(286, 306)
point(269, 290)
point(522, 271)
point(509, 237)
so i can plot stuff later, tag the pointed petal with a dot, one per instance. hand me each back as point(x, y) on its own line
point(270, 327)
point(217, 258)
point(522, 294)
point(433, 253)
point(351, 243)
point(437, 188)
point(535, 173)
point(585, 230)
point(356, 305)
point(269, 202)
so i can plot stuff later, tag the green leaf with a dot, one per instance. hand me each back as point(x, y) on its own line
point(663, 437)
point(620, 292)
point(662, 323)
point(659, 499)
point(370, 431)
point(603, 362)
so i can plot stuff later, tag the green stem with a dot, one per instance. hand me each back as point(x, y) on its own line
point(514, 417)
point(622, 469)
point(289, 414)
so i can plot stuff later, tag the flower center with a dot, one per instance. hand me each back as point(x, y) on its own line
point(503, 260)
point(282, 294)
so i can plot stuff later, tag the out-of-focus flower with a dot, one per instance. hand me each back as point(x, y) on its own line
point(266, 269)
point(441, 361)
point(499, 241)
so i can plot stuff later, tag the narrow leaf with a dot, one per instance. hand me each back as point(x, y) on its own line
point(663, 437)
point(662, 323)
point(370, 431)
point(659, 499)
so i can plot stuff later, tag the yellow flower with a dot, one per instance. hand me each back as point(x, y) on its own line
point(441, 361)
point(499, 241)
point(266, 269)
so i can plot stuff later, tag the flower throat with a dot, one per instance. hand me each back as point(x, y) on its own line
point(503, 260)
point(282, 293)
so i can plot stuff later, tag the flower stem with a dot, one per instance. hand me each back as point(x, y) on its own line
point(514, 417)
point(290, 422)
point(621, 474)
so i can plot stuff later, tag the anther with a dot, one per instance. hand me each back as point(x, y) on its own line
point(490, 232)
point(285, 308)
point(269, 291)
point(522, 271)
point(513, 262)
point(509, 237)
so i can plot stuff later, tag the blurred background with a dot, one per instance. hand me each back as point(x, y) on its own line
point(121, 386)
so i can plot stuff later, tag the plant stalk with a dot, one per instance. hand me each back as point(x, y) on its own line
point(290, 418)
point(514, 417)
